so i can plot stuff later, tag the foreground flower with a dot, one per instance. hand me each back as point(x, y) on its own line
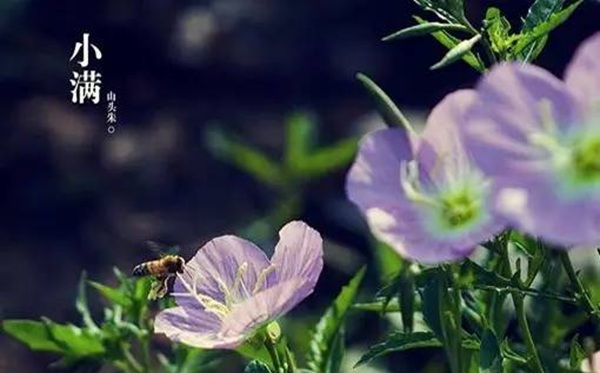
point(592, 363)
point(229, 289)
point(539, 138)
point(421, 194)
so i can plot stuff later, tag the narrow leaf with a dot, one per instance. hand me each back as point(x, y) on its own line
point(112, 294)
point(322, 344)
point(450, 42)
point(74, 340)
point(300, 135)
point(81, 304)
point(490, 359)
point(392, 116)
point(400, 342)
point(244, 157)
point(327, 159)
point(424, 29)
point(457, 52)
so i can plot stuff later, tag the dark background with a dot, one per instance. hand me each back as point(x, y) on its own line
point(74, 197)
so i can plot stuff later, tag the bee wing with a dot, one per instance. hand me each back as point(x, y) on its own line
point(161, 249)
point(159, 287)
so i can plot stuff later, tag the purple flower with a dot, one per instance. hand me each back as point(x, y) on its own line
point(539, 139)
point(421, 194)
point(229, 289)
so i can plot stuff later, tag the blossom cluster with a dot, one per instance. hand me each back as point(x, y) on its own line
point(520, 150)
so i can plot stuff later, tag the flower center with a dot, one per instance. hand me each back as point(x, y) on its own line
point(450, 206)
point(586, 159)
point(574, 153)
point(458, 209)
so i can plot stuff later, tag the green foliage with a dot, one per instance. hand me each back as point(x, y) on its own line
point(328, 335)
point(400, 342)
point(424, 29)
point(256, 366)
point(451, 42)
point(490, 358)
point(457, 52)
point(390, 113)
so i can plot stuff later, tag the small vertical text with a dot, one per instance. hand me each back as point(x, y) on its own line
point(111, 112)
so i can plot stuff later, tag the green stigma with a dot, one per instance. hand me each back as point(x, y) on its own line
point(585, 160)
point(459, 209)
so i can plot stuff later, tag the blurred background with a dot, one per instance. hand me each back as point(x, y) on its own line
point(189, 76)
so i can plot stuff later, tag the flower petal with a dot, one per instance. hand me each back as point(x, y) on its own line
point(510, 108)
point(195, 328)
point(265, 306)
point(441, 153)
point(374, 178)
point(583, 73)
point(299, 253)
point(540, 211)
point(214, 268)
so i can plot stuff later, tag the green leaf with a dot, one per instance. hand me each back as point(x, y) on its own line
point(74, 341)
point(245, 158)
point(431, 296)
point(424, 29)
point(490, 359)
point(390, 113)
point(382, 306)
point(457, 52)
point(81, 304)
point(322, 344)
point(337, 353)
point(498, 28)
point(526, 46)
point(254, 350)
point(32, 333)
point(113, 295)
point(399, 342)
point(327, 159)
point(256, 366)
point(450, 42)
point(540, 11)
point(51, 337)
point(300, 136)
point(576, 354)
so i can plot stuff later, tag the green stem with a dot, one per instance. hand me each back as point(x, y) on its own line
point(290, 360)
point(581, 293)
point(272, 349)
point(524, 326)
point(130, 359)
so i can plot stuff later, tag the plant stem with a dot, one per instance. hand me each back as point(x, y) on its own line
point(130, 359)
point(270, 346)
point(581, 293)
point(524, 326)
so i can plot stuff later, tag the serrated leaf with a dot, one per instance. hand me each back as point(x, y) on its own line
point(113, 295)
point(255, 351)
point(390, 113)
point(338, 351)
point(431, 296)
point(325, 334)
point(400, 342)
point(450, 42)
point(490, 358)
point(457, 52)
point(32, 333)
point(256, 366)
point(244, 157)
point(424, 29)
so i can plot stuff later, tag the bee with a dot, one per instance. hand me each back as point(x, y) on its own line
point(161, 270)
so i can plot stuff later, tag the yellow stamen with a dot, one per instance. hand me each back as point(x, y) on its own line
point(262, 278)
